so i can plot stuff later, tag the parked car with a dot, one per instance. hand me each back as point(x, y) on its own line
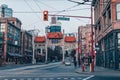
point(67, 62)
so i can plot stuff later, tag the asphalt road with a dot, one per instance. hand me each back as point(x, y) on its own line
point(52, 71)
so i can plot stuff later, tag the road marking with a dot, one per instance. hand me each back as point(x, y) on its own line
point(5, 79)
point(58, 78)
point(88, 77)
point(14, 79)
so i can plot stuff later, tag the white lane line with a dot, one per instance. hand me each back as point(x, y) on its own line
point(88, 77)
point(58, 78)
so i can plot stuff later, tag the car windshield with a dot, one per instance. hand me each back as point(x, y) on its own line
point(59, 39)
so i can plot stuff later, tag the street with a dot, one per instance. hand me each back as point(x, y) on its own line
point(51, 71)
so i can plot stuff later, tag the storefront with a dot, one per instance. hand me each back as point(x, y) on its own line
point(109, 54)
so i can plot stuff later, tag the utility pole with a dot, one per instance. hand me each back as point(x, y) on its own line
point(92, 48)
point(63, 49)
point(46, 54)
point(92, 41)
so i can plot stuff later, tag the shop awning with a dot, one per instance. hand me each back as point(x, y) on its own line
point(14, 54)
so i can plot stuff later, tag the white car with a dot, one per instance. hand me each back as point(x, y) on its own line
point(67, 63)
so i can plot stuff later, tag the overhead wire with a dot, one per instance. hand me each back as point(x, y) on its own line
point(57, 12)
point(47, 5)
point(67, 9)
point(33, 10)
point(30, 7)
point(42, 11)
point(49, 11)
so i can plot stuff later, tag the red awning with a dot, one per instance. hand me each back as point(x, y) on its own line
point(40, 39)
point(70, 39)
point(54, 35)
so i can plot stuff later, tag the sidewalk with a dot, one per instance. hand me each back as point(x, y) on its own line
point(99, 71)
point(12, 66)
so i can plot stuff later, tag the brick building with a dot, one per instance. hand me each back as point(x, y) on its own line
point(107, 32)
point(11, 29)
point(26, 46)
point(84, 39)
point(40, 48)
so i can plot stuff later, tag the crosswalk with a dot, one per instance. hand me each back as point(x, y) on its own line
point(59, 78)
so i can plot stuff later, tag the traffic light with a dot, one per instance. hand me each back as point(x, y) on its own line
point(45, 15)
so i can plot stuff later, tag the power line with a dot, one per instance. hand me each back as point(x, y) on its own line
point(37, 5)
point(47, 5)
point(31, 8)
point(49, 11)
point(41, 10)
point(67, 9)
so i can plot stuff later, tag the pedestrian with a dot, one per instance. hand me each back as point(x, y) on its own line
point(79, 62)
point(75, 62)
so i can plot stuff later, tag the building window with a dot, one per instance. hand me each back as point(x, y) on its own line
point(118, 11)
point(109, 16)
point(99, 26)
point(118, 36)
point(2, 27)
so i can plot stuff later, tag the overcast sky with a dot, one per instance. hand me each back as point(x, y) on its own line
point(35, 20)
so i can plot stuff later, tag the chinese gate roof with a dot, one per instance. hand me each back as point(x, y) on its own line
point(70, 39)
point(54, 35)
point(40, 39)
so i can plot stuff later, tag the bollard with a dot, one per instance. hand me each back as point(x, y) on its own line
point(83, 68)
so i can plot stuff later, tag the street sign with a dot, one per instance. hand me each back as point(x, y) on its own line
point(63, 18)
